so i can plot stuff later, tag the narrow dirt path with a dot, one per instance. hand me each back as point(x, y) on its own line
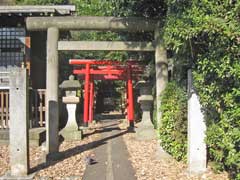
point(111, 155)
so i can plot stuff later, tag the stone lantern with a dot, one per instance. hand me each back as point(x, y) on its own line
point(71, 131)
point(145, 130)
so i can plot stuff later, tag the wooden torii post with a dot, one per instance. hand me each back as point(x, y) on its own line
point(55, 24)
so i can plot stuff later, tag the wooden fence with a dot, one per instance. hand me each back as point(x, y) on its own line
point(4, 108)
point(37, 108)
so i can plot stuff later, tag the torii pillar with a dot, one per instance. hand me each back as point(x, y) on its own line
point(161, 68)
point(52, 104)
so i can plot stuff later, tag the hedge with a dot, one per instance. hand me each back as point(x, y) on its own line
point(173, 127)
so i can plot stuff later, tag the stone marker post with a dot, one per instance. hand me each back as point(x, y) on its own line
point(52, 104)
point(19, 113)
point(71, 131)
point(145, 130)
point(161, 68)
point(197, 154)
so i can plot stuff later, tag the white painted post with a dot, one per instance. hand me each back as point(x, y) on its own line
point(52, 104)
point(197, 153)
point(161, 68)
point(19, 113)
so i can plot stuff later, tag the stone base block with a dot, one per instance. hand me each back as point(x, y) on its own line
point(146, 133)
point(53, 156)
point(4, 134)
point(7, 176)
point(74, 135)
point(36, 136)
point(4, 142)
point(161, 154)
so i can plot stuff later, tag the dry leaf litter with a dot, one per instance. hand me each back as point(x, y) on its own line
point(150, 167)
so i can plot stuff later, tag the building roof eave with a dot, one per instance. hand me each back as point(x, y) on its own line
point(60, 9)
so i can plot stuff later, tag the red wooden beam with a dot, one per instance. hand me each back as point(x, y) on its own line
point(104, 62)
point(93, 71)
point(86, 96)
point(93, 61)
point(91, 101)
point(137, 69)
point(109, 77)
point(130, 96)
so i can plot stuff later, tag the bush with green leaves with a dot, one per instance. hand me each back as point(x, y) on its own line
point(173, 127)
point(207, 33)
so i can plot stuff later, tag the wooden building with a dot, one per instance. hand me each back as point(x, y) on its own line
point(19, 48)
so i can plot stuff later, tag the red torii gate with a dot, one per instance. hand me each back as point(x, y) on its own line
point(106, 70)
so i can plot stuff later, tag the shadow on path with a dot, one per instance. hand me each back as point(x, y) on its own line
point(58, 157)
point(112, 157)
point(103, 129)
point(106, 117)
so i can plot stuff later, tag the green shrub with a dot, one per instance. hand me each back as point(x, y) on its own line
point(218, 87)
point(173, 127)
point(207, 34)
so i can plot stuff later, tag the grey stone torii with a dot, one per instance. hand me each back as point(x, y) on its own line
point(55, 24)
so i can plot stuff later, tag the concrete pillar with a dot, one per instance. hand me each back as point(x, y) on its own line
point(19, 113)
point(197, 153)
point(161, 68)
point(52, 105)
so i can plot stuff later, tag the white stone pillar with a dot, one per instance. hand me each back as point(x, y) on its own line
point(197, 153)
point(161, 68)
point(71, 123)
point(52, 104)
point(19, 113)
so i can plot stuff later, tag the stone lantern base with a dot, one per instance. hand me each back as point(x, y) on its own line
point(71, 132)
point(145, 130)
point(72, 135)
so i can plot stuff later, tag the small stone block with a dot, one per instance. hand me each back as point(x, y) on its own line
point(8, 176)
point(36, 136)
point(72, 135)
point(4, 134)
point(54, 157)
point(145, 134)
point(163, 155)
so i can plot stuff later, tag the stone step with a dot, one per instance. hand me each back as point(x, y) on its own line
point(36, 136)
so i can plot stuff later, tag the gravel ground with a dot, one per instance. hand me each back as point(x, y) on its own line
point(70, 163)
point(148, 167)
point(4, 159)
